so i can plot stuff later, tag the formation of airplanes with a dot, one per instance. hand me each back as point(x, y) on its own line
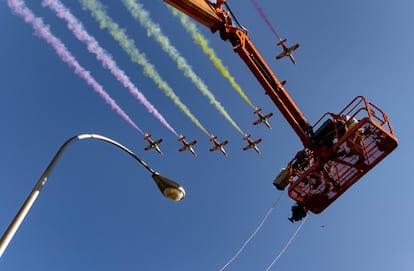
point(287, 51)
point(189, 146)
point(252, 144)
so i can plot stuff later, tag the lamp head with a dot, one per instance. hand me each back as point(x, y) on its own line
point(169, 188)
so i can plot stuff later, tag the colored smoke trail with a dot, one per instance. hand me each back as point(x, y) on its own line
point(265, 19)
point(200, 40)
point(93, 46)
point(128, 45)
point(140, 14)
point(20, 8)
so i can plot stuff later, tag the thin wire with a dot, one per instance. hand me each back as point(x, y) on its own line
point(234, 17)
point(253, 234)
point(287, 244)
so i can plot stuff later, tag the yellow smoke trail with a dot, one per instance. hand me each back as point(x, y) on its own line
point(98, 12)
point(153, 30)
point(199, 39)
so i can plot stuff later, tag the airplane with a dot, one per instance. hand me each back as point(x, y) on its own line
point(152, 144)
point(217, 145)
point(187, 146)
point(262, 119)
point(252, 144)
point(287, 51)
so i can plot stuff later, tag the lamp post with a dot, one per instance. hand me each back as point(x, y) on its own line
point(168, 188)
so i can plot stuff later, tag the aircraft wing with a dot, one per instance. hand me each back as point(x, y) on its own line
point(247, 147)
point(224, 142)
point(257, 122)
point(258, 141)
point(183, 148)
point(148, 147)
point(214, 148)
point(268, 115)
point(294, 47)
point(158, 141)
point(282, 54)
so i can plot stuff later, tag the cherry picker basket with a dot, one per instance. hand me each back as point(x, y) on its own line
point(345, 147)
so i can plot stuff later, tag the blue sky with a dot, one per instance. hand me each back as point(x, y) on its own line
point(100, 209)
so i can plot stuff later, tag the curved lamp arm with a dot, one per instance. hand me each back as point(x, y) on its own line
point(168, 188)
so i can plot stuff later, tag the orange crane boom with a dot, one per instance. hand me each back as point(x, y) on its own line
point(339, 148)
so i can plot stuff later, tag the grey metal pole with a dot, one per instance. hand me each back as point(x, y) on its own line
point(21, 214)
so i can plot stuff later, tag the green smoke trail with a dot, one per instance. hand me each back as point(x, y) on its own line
point(142, 16)
point(105, 22)
point(200, 40)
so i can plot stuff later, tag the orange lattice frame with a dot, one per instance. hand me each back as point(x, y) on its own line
point(346, 146)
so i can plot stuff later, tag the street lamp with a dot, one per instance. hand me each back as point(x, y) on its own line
point(168, 188)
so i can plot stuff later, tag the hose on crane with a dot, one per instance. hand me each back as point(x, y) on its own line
point(235, 19)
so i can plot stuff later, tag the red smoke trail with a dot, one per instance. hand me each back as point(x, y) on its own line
point(264, 17)
point(20, 8)
point(93, 46)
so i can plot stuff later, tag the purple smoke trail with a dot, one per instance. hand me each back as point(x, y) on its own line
point(93, 46)
point(264, 17)
point(20, 8)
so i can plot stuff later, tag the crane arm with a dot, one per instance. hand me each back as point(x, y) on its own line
point(243, 46)
point(216, 18)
